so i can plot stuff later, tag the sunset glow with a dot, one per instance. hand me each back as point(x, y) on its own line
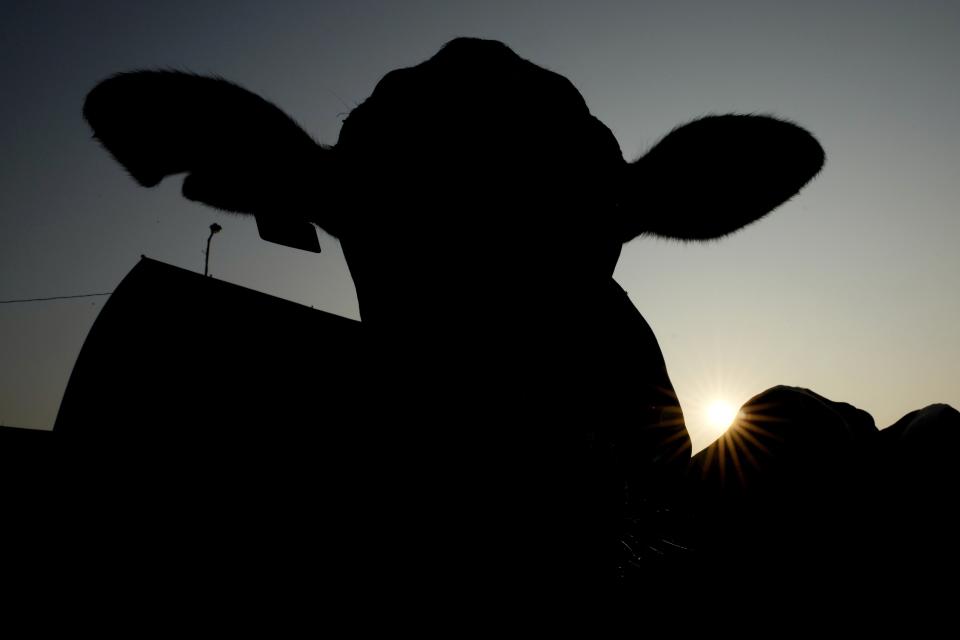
point(721, 414)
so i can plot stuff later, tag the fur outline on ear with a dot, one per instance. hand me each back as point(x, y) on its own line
point(716, 174)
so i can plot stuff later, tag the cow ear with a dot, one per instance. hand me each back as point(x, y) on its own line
point(240, 152)
point(714, 175)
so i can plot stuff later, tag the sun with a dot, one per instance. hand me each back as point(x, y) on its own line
point(721, 385)
point(721, 414)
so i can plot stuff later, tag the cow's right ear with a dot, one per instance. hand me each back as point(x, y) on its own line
point(714, 175)
point(240, 152)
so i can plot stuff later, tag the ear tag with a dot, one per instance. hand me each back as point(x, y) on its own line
point(298, 234)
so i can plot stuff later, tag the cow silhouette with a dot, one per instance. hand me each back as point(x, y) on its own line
point(481, 209)
point(802, 487)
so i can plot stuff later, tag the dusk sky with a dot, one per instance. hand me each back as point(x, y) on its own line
point(850, 289)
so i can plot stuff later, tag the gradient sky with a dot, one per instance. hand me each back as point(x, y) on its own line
point(849, 289)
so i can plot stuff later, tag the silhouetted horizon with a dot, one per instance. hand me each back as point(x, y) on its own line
point(522, 405)
point(553, 427)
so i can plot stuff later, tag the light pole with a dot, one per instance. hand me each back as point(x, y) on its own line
point(214, 228)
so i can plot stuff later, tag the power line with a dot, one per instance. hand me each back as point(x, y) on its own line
point(82, 295)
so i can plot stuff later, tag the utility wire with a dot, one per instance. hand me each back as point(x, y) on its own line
point(82, 295)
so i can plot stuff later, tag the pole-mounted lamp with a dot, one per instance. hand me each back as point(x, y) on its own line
point(214, 228)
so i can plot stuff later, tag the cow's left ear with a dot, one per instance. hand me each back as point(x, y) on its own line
point(714, 175)
point(240, 152)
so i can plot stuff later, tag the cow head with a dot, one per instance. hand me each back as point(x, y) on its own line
point(473, 177)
